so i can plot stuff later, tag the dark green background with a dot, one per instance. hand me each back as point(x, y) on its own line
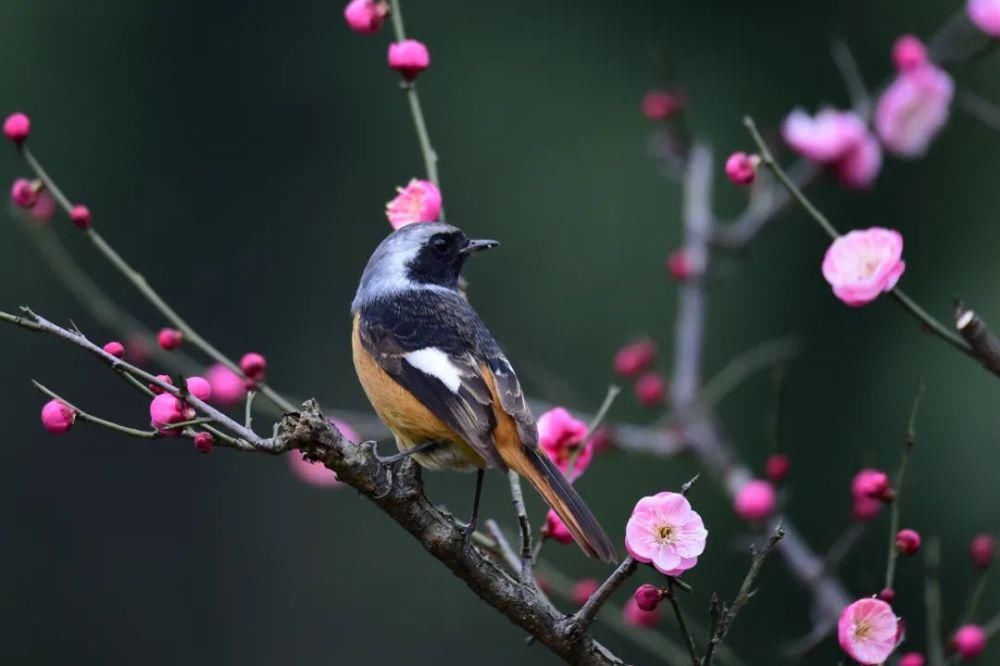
point(241, 152)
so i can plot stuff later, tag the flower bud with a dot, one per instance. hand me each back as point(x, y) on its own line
point(80, 216)
point(981, 550)
point(253, 366)
point(969, 642)
point(907, 542)
point(742, 168)
point(651, 389)
point(58, 417)
point(115, 348)
point(648, 597)
point(409, 57)
point(777, 467)
point(204, 441)
point(169, 339)
point(17, 127)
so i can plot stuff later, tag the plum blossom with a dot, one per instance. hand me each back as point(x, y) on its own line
point(555, 528)
point(826, 137)
point(561, 435)
point(985, 14)
point(666, 532)
point(868, 631)
point(863, 264)
point(859, 167)
point(419, 201)
point(755, 500)
point(913, 109)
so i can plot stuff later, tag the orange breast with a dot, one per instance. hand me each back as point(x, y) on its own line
point(409, 420)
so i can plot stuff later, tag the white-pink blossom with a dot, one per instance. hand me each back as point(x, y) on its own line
point(665, 531)
point(826, 137)
point(913, 109)
point(868, 631)
point(863, 264)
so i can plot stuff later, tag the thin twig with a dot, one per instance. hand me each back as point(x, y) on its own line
point(932, 601)
point(104, 423)
point(746, 365)
point(911, 438)
point(583, 617)
point(861, 101)
point(248, 411)
point(517, 497)
point(746, 591)
point(679, 615)
point(911, 306)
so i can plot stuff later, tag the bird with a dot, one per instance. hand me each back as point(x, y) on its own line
point(437, 378)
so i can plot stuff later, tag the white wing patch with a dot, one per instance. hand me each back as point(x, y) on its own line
point(434, 362)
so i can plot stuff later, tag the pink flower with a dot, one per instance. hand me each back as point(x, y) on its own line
point(254, 366)
point(912, 659)
point(825, 138)
point(985, 14)
point(45, 206)
point(204, 441)
point(409, 57)
point(777, 467)
point(57, 417)
point(583, 590)
point(982, 548)
point(80, 216)
point(651, 389)
point(648, 597)
point(199, 387)
point(969, 642)
point(365, 16)
point(913, 109)
point(23, 193)
point(169, 339)
point(907, 542)
point(860, 166)
point(865, 508)
point(755, 500)
point(742, 168)
point(560, 436)
point(868, 631)
point(908, 53)
point(636, 617)
point(419, 201)
point(155, 388)
point(17, 127)
point(870, 483)
point(664, 530)
point(635, 357)
point(228, 388)
point(166, 409)
point(556, 529)
point(661, 104)
point(115, 348)
point(862, 264)
point(316, 473)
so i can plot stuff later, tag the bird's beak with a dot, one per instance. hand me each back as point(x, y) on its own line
point(477, 245)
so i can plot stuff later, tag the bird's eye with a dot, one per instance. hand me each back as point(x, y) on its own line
point(440, 243)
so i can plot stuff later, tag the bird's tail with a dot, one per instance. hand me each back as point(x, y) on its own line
point(564, 500)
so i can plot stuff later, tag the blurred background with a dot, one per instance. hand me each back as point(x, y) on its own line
point(241, 153)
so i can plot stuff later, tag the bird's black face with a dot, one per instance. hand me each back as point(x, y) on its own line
point(442, 256)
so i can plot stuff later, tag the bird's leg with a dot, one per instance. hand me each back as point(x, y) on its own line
point(403, 455)
point(470, 527)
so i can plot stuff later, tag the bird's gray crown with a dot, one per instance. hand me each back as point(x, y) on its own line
point(391, 268)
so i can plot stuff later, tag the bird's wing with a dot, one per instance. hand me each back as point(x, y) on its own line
point(431, 350)
point(512, 398)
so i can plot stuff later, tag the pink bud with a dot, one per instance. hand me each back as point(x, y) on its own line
point(169, 339)
point(166, 409)
point(583, 590)
point(912, 659)
point(871, 483)
point(661, 104)
point(888, 595)
point(115, 348)
point(80, 216)
point(556, 529)
point(985, 15)
point(648, 597)
point(228, 388)
point(163, 378)
point(651, 389)
point(204, 441)
point(635, 357)
point(908, 53)
point(23, 193)
point(742, 168)
point(981, 550)
point(253, 366)
point(409, 57)
point(755, 500)
point(907, 542)
point(969, 642)
point(636, 617)
point(365, 16)
point(44, 207)
point(777, 467)
point(865, 508)
point(199, 388)
point(680, 266)
point(17, 127)
point(58, 417)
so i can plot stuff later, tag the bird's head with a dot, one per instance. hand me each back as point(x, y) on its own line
point(418, 256)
